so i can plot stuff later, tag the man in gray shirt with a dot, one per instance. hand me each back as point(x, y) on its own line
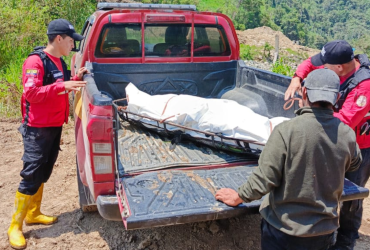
point(302, 170)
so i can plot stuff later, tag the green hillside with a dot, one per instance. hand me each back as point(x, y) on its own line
point(316, 22)
point(311, 22)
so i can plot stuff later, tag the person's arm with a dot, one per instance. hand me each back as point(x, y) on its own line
point(269, 173)
point(356, 159)
point(32, 79)
point(356, 105)
point(267, 176)
point(301, 73)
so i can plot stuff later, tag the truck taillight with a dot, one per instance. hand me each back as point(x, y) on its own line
point(102, 164)
point(100, 134)
point(102, 148)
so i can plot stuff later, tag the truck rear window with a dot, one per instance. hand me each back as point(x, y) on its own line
point(119, 40)
point(174, 41)
point(167, 40)
point(161, 40)
point(210, 41)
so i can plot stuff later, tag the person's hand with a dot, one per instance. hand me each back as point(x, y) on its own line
point(228, 196)
point(300, 103)
point(74, 85)
point(295, 85)
point(81, 72)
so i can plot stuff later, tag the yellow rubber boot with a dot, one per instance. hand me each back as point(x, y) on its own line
point(34, 215)
point(15, 235)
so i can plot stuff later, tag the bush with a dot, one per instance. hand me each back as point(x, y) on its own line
point(246, 52)
point(11, 89)
point(280, 67)
point(249, 52)
point(267, 50)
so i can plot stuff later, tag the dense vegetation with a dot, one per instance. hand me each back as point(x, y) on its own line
point(311, 22)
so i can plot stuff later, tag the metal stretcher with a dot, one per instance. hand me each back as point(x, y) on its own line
point(215, 140)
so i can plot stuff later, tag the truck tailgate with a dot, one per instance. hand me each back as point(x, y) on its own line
point(182, 196)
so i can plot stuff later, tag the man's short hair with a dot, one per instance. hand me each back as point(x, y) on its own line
point(51, 38)
point(321, 104)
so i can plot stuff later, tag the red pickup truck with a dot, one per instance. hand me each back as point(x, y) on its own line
point(129, 172)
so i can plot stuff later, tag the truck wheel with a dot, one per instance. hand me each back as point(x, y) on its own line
point(84, 195)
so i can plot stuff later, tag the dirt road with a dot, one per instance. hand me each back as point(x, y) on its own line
point(76, 230)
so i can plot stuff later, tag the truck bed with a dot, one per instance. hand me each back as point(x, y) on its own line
point(141, 150)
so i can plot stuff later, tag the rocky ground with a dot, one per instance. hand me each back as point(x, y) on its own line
point(261, 35)
point(290, 52)
point(76, 230)
point(261, 65)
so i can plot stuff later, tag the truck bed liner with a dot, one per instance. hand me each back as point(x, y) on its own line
point(143, 150)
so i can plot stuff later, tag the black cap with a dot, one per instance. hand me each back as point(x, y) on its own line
point(62, 26)
point(335, 52)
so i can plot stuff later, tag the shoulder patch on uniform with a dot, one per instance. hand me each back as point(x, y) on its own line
point(30, 83)
point(361, 101)
point(31, 72)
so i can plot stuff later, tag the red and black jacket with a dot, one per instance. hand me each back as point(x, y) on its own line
point(44, 99)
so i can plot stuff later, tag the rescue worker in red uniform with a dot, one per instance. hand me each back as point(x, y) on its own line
point(353, 109)
point(45, 106)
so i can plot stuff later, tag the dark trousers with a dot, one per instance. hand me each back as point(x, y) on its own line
point(41, 148)
point(274, 239)
point(351, 211)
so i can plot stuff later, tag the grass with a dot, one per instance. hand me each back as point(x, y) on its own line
point(10, 103)
point(210, 5)
point(280, 67)
point(250, 52)
point(11, 86)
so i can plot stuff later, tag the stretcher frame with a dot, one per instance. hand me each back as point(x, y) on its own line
point(239, 146)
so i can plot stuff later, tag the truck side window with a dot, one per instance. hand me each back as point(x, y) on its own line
point(119, 40)
point(210, 41)
point(167, 40)
point(86, 35)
